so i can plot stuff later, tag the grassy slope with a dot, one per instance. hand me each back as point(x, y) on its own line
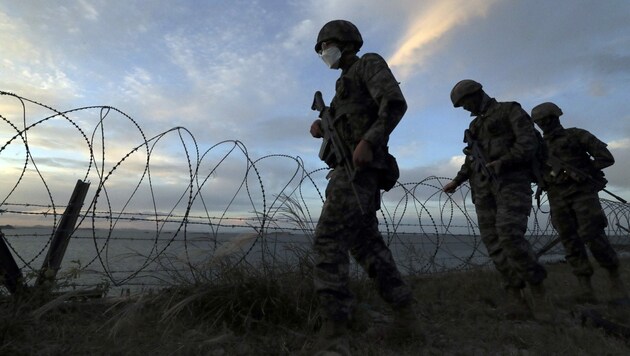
point(246, 312)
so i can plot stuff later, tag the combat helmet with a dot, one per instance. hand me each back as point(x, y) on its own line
point(340, 30)
point(544, 110)
point(463, 88)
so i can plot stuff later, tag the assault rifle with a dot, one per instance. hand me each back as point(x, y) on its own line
point(333, 151)
point(559, 166)
point(479, 161)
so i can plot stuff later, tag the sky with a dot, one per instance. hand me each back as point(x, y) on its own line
point(246, 70)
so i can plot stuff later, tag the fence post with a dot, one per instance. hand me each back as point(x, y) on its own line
point(9, 270)
point(60, 240)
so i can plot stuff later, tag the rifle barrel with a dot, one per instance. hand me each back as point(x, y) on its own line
point(622, 200)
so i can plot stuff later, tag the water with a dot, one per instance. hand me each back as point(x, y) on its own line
point(140, 259)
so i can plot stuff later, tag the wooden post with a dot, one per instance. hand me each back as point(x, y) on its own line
point(60, 240)
point(9, 271)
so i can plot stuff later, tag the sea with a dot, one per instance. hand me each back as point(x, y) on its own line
point(125, 261)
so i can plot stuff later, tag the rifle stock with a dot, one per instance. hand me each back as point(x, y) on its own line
point(333, 151)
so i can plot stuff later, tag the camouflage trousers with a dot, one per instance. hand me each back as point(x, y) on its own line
point(580, 221)
point(343, 229)
point(502, 215)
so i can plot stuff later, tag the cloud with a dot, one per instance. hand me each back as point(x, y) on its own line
point(429, 26)
point(232, 88)
point(246, 70)
point(618, 174)
point(443, 168)
point(299, 36)
point(619, 144)
point(89, 12)
point(27, 66)
point(137, 84)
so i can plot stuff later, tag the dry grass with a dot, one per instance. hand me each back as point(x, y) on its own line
point(248, 311)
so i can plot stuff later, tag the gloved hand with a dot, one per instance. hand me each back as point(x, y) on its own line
point(316, 129)
point(362, 154)
point(450, 187)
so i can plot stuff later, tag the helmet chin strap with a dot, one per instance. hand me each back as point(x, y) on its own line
point(552, 126)
point(348, 53)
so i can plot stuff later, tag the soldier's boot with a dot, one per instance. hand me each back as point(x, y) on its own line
point(543, 308)
point(515, 307)
point(332, 339)
point(406, 326)
point(585, 293)
point(618, 290)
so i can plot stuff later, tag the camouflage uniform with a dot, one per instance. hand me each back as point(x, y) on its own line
point(576, 212)
point(368, 104)
point(504, 132)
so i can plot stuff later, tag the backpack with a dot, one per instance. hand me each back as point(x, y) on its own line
point(540, 155)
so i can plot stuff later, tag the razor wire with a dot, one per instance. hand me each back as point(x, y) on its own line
point(152, 215)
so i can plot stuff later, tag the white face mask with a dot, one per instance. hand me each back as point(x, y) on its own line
point(331, 57)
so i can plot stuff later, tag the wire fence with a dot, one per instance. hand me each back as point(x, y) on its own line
point(162, 208)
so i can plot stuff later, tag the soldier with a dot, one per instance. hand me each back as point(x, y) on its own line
point(572, 178)
point(501, 146)
point(367, 106)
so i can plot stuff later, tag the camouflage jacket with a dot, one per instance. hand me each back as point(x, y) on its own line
point(580, 150)
point(504, 131)
point(368, 104)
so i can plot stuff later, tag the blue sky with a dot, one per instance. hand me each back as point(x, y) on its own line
point(246, 70)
